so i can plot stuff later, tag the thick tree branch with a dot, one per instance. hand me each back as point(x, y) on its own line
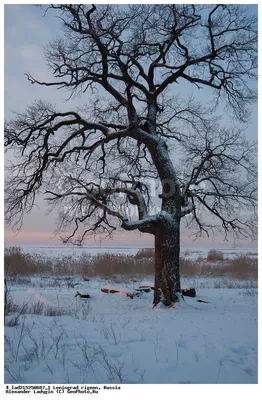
point(126, 59)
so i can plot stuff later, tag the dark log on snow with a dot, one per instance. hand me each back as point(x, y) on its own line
point(83, 296)
point(190, 292)
point(142, 289)
point(147, 285)
point(186, 291)
point(108, 289)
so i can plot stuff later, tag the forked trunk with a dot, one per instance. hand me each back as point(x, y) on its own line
point(167, 272)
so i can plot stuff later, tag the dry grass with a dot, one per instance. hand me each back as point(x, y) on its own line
point(242, 267)
point(117, 264)
point(14, 310)
point(19, 266)
point(214, 255)
point(19, 263)
point(145, 253)
point(190, 267)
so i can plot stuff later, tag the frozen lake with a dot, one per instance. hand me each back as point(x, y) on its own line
point(76, 252)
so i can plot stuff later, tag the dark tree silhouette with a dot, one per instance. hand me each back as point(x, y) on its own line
point(128, 63)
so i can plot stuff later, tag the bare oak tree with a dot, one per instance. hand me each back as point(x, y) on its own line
point(94, 162)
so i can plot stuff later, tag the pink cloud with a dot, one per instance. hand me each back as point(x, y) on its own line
point(27, 237)
point(130, 239)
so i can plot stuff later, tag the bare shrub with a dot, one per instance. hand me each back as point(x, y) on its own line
point(111, 336)
point(11, 322)
point(20, 280)
point(6, 298)
point(68, 281)
point(215, 255)
point(40, 308)
point(82, 310)
point(11, 307)
point(248, 293)
point(225, 283)
point(16, 376)
point(112, 365)
point(27, 307)
point(37, 308)
point(145, 253)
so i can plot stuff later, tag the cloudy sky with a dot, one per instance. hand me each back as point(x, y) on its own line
point(26, 31)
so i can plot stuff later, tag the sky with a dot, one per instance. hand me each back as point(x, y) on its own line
point(26, 31)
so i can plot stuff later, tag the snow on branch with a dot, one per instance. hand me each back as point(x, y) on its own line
point(188, 209)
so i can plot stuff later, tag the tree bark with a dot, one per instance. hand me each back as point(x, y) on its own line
point(158, 266)
point(167, 268)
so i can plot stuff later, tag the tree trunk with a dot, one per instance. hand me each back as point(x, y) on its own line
point(167, 271)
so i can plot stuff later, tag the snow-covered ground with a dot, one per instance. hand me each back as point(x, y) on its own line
point(111, 338)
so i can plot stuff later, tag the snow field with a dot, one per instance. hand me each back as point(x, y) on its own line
point(111, 338)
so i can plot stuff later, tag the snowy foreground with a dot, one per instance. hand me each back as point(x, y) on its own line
point(111, 338)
